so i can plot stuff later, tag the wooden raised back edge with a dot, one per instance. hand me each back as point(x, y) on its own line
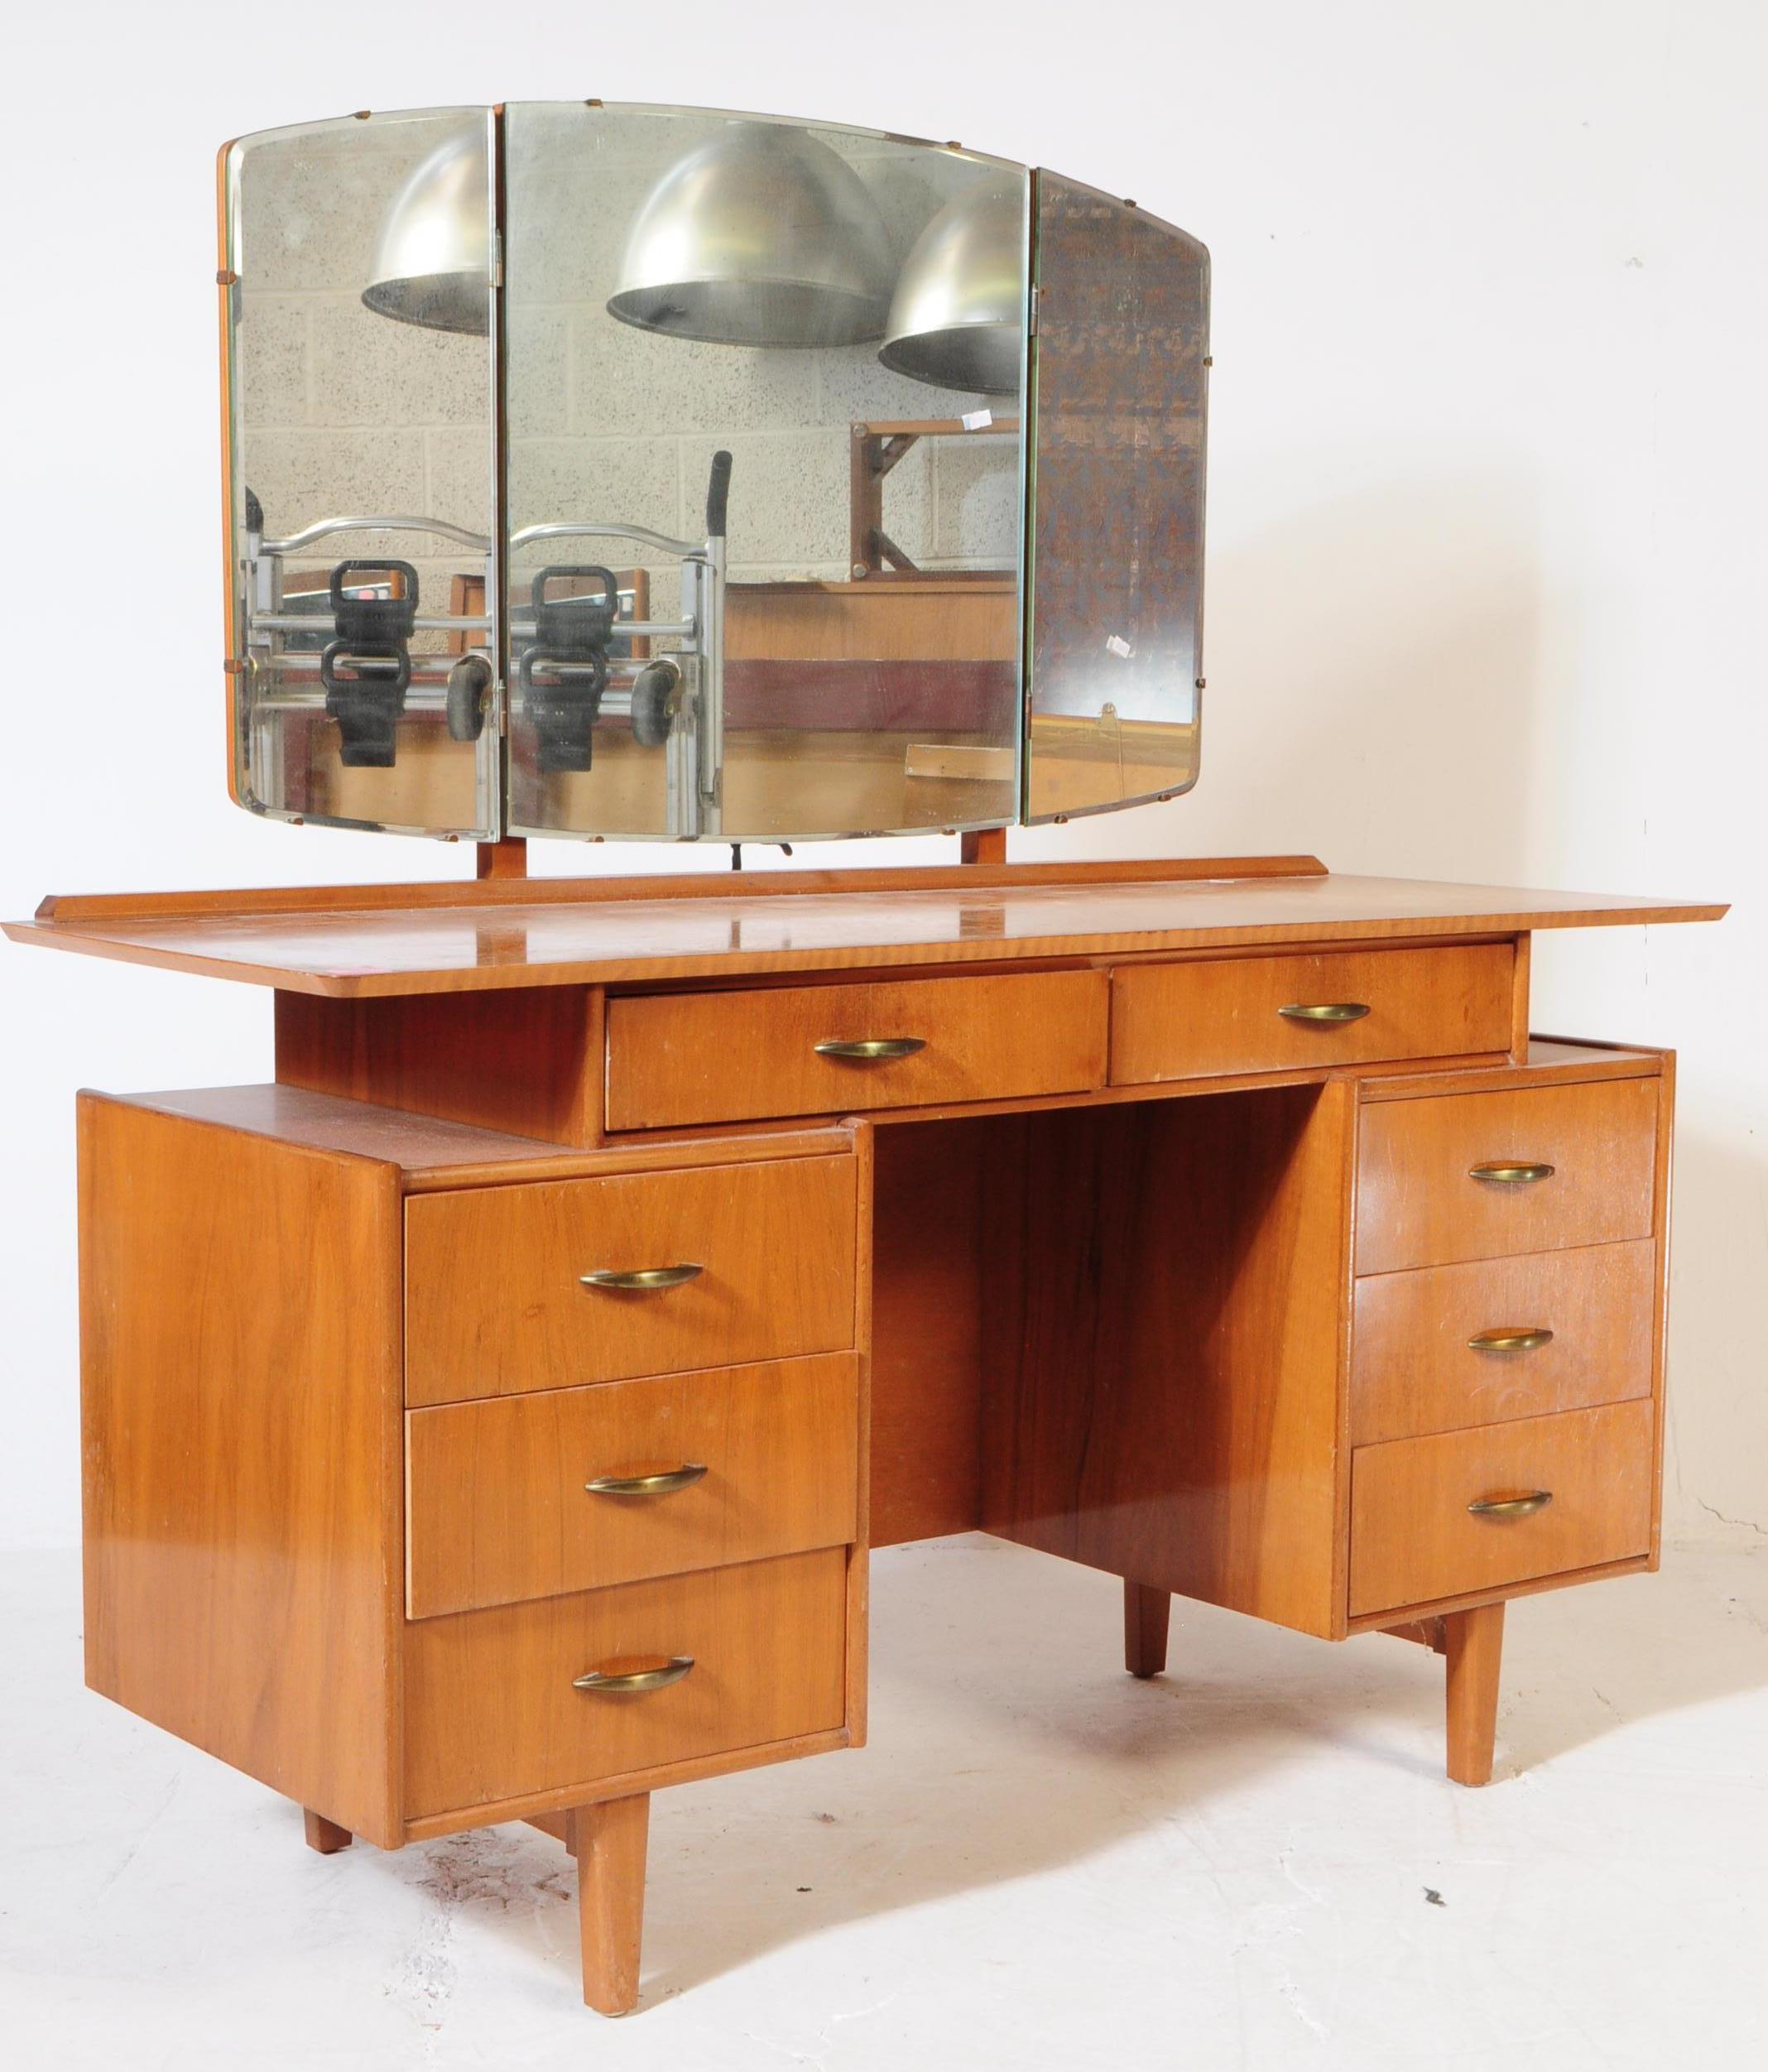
point(512, 890)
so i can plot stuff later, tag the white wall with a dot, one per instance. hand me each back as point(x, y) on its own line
point(1487, 533)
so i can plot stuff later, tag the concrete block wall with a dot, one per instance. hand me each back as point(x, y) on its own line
point(342, 409)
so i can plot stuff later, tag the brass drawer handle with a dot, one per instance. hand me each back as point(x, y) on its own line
point(1511, 1506)
point(658, 1484)
point(870, 1050)
point(1326, 1010)
point(1527, 1341)
point(613, 1682)
point(641, 1278)
point(1502, 1175)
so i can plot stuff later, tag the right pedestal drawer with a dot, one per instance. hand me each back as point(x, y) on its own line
point(1476, 1175)
point(1468, 1510)
point(1440, 1347)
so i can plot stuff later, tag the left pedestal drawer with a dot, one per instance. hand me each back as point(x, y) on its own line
point(575, 1488)
point(495, 1711)
point(551, 1284)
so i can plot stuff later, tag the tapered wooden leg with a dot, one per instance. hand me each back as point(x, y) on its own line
point(1475, 1641)
point(608, 1841)
point(1146, 1614)
point(324, 1836)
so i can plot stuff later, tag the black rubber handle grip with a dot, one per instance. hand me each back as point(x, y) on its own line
point(609, 602)
point(371, 566)
point(719, 495)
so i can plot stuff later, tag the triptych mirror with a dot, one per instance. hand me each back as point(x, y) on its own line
point(640, 472)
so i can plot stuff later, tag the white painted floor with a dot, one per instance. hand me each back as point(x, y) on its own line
point(1254, 1862)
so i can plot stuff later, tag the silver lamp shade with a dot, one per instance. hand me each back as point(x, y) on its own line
point(762, 237)
point(432, 266)
point(958, 317)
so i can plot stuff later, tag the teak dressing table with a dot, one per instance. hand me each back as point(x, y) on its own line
point(613, 1265)
point(492, 1419)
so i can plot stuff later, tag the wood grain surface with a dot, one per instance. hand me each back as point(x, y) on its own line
point(416, 946)
point(498, 1509)
point(676, 1058)
point(929, 1265)
point(239, 1311)
point(1413, 1538)
point(1414, 1371)
point(433, 1154)
point(495, 1303)
point(1162, 1350)
point(1217, 1016)
point(491, 1712)
point(526, 1062)
point(1418, 1204)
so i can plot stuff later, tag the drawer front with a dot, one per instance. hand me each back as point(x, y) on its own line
point(1418, 1202)
point(496, 1304)
point(728, 1057)
point(510, 1498)
point(1226, 1015)
point(492, 1712)
point(1414, 1540)
point(1444, 1346)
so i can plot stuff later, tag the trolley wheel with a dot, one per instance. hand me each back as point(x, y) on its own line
point(653, 703)
point(467, 682)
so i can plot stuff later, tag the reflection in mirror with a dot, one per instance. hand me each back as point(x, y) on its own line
point(1116, 525)
point(361, 471)
point(763, 568)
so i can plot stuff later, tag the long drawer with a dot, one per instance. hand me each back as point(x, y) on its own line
point(493, 1710)
point(1440, 1347)
point(1456, 1176)
point(1221, 1015)
point(757, 1262)
point(725, 1057)
point(1423, 1526)
point(573, 1489)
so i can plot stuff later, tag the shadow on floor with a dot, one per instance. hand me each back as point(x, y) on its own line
point(1006, 1743)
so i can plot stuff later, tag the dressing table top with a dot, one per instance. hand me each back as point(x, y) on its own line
point(356, 942)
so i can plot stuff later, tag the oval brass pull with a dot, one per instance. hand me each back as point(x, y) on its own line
point(659, 1483)
point(870, 1050)
point(1508, 1176)
point(612, 1680)
point(641, 1278)
point(1326, 1010)
point(1527, 1341)
point(1511, 1506)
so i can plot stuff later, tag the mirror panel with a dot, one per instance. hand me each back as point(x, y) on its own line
point(361, 471)
point(1119, 382)
point(822, 630)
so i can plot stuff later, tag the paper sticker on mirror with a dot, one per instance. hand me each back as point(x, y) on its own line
point(1116, 644)
point(977, 419)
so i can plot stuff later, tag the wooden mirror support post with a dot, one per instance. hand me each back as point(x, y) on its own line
point(507, 858)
